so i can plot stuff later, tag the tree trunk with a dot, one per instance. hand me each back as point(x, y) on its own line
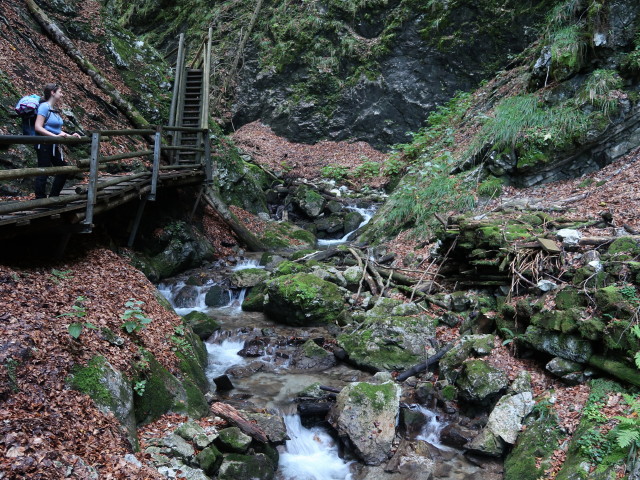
point(86, 66)
point(231, 415)
point(250, 240)
point(421, 367)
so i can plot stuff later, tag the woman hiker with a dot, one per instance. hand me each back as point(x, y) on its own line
point(49, 124)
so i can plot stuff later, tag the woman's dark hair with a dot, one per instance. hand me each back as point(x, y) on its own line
point(49, 88)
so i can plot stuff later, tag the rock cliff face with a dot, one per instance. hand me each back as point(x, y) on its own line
point(423, 68)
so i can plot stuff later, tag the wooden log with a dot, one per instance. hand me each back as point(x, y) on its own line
point(250, 240)
point(421, 367)
point(11, 207)
point(231, 415)
point(87, 67)
point(80, 189)
point(601, 241)
point(37, 171)
point(41, 140)
point(326, 388)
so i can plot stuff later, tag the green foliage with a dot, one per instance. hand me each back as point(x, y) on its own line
point(134, 318)
point(78, 310)
point(334, 172)
point(568, 47)
point(599, 90)
point(367, 169)
point(58, 275)
point(139, 387)
point(627, 432)
point(592, 444)
point(491, 187)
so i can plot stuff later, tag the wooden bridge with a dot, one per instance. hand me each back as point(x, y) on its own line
point(178, 154)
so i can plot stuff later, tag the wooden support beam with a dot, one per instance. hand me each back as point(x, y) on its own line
point(136, 222)
point(156, 163)
point(93, 181)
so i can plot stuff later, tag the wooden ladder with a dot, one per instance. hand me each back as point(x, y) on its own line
point(191, 115)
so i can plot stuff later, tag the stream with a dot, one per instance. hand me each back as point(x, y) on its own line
point(266, 378)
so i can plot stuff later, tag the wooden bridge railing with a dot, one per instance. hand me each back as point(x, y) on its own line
point(96, 162)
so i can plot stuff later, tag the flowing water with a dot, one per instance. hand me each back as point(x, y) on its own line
point(267, 380)
point(367, 214)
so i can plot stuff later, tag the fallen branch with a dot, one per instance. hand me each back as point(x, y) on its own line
point(421, 367)
point(231, 415)
point(250, 240)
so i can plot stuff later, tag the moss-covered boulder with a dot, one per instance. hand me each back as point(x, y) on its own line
point(387, 342)
point(367, 414)
point(481, 383)
point(110, 390)
point(312, 357)
point(571, 347)
point(532, 454)
point(564, 321)
point(286, 236)
point(233, 440)
point(254, 467)
point(248, 277)
point(202, 324)
point(616, 368)
point(254, 299)
point(615, 301)
point(303, 299)
point(624, 248)
point(163, 392)
point(309, 201)
point(468, 346)
point(209, 460)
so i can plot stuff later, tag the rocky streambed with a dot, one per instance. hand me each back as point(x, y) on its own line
point(326, 418)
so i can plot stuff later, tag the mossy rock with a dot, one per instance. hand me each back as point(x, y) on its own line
point(611, 300)
point(469, 345)
point(570, 298)
point(479, 382)
point(622, 246)
point(619, 337)
point(217, 296)
point(193, 359)
point(254, 299)
point(164, 393)
point(248, 277)
point(233, 440)
point(571, 347)
point(309, 201)
point(254, 467)
point(587, 277)
point(387, 343)
point(564, 321)
point(288, 268)
point(303, 299)
point(110, 390)
point(287, 236)
point(202, 324)
point(616, 368)
point(532, 454)
point(209, 460)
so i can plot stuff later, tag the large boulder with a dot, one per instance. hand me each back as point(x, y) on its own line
point(468, 346)
point(505, 420)
point(309, 201)
point(571, 347)
point(303, 299)
point(217, 296)
point(367, 414)
point(254, 467)
point(202, 324)
point(248, 277)
point(481, 383)
point(312, 357)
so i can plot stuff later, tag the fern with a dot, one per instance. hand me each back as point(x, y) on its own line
point(627, 437)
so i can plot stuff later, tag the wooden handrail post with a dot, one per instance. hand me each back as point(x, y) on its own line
point(208, 168)
point(93, 182)
point(157, 145)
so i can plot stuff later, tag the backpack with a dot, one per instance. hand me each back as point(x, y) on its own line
point(27, 109)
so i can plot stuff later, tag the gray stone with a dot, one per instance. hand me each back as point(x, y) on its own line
point(570, 347)
point(189, 430)
point(505, 420)
point(352, 221)
point(309, 201)
point(522, 383)
point(248, 277)
point(186, 297)
point(182, 471)
point(367, 414)
point(468, 345)
point(177, 447)
point(546, 286)
point(569, 237)
point(209, 459)
point(311, 357)
point(217, 297)
point(272, 425)
point(487, 443)
point(561, 366)
point(479, 382)
point(250, 467)
point(234, 440)
point(352, 275)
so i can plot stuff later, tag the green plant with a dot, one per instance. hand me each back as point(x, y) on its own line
point(139, 387)
point(78, 310)
point(334, 172)
point(593, 411)
point(599, 90)
point(134, 318)
point(367, 169)
point(627, 432)
point(57, 275)
point(635, 329)
point(491, 187)
point(11, 366)
point(593, 444)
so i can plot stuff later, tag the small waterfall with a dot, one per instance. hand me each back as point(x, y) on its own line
point(222, 356)
point(196, 295)
point(244, 264)
point(367, 214)
point(311, 454)
point(431, 430)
